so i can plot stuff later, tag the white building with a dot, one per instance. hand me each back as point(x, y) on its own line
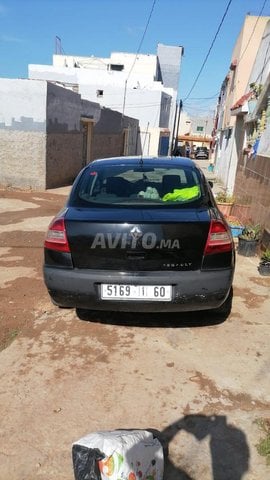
point(140, 86)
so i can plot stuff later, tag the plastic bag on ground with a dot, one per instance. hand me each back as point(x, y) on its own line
point(118, 455)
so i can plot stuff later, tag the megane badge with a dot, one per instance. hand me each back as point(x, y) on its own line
point(136, 233)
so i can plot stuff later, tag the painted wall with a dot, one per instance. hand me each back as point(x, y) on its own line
point(144, 99)
point(144, 65)
point(41, 134)
point(144, 105)
point(261, 67)
point(23, 133)
point(244, 53)
point(235, 85)
point(147, 98)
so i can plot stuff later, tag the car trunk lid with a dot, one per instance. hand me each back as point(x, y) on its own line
point(137, 239)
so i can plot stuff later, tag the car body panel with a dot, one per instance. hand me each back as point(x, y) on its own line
point(192, 290)
point(178, 237)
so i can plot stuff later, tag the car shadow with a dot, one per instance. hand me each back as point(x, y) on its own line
point(160, 320)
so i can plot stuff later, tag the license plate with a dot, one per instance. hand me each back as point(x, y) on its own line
point(136, 292)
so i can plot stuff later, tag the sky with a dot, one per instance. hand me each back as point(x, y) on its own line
point(28, 30)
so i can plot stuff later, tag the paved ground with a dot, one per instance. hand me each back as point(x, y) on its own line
point(204, 384)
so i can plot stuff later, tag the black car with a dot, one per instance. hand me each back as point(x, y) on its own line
point(140, 234)
point(202, 152)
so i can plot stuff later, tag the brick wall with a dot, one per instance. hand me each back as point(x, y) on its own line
point(64, 158)
point(107, 145)
point(252, 185)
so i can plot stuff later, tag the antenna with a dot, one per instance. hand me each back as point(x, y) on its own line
point(58, 46)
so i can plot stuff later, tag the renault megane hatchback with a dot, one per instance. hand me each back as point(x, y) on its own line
point(140, 234)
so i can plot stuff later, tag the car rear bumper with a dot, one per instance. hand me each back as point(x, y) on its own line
point(191, 290)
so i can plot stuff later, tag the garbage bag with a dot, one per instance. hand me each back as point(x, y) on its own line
point(118, 455)
point(85, 462)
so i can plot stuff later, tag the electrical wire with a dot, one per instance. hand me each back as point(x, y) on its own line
point(252, 33)
point(208, 53)
point(138, 50)
point(142, 39)
point(141, 105)
point(205, 98)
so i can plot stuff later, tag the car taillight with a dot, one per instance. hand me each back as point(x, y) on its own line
point(219, 238)
point(56, 237)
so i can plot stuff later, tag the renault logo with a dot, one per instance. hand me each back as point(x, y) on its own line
point(136, 233)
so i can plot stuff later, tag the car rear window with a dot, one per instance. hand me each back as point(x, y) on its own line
point(133, 185)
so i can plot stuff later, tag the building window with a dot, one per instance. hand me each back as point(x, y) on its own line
point(99, 93)
point(199, 129)
point(117, 67)
point(228, 133)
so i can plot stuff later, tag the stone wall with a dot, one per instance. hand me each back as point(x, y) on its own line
point(22, 133)
point(22, 159)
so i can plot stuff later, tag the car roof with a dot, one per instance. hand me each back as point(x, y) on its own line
point(146, 161)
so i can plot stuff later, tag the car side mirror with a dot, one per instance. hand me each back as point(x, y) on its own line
point(211, 183)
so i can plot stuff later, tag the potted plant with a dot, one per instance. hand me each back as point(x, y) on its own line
point(236, 225)
point(248, 240)
point(224, 203)
point(264, 265)
point(255, 91)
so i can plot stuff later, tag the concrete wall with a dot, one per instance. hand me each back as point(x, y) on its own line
point(147, 98)
point(40, 133)
point(115, 136)
point(169, 61)
point(144, 65)
point(23, 133)
point(226, 153)
point(64, 136)
point(144, 105)
point(43, 136)
point(168, 71)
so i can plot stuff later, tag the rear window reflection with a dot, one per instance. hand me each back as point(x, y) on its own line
point(123, 185)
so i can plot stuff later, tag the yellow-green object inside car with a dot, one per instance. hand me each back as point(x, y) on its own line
point(182, 194)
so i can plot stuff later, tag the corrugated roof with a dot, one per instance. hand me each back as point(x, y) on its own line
point(241, 101)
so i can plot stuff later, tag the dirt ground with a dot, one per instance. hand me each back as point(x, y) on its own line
point(203, 383)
